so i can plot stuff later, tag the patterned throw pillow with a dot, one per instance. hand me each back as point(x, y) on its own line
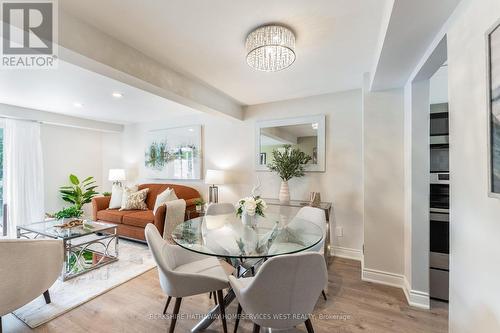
point(134, 200)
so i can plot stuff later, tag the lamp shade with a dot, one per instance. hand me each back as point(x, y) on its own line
point(215, 177)
point(116, 175)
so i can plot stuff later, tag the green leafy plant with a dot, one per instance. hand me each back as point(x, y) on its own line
point(289, 163)
point(68, 212)
point(106, 194)
point(78, 193)
point(199, 202)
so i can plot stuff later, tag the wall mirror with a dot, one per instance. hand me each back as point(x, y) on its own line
point(306, 133)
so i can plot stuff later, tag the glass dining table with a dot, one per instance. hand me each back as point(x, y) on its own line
point(244, 245)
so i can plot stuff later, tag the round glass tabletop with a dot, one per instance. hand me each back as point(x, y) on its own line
point(226, 236)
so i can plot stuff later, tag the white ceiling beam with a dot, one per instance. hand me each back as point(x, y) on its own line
point(87, 47)
point(411, 28)
point(50, 118)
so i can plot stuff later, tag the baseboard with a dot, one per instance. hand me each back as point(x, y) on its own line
point(347, 253)
point(418, 299)
point(414, 298)
point(381, 277)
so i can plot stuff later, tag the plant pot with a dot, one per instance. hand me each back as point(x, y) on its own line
point(284, 195)
point(198, 208)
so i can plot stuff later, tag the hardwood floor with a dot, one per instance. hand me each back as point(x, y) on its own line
point(352, 306)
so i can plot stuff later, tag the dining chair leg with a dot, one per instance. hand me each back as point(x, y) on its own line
point(256, 328)
point(166, 305)
point(309, 326)
point(46, 295)
point(324, 294)
point(220, 296)
point(177, 306)
point(215, 298)
point(238, 315)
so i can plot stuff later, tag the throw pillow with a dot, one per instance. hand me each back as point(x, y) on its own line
point(130, 189)
point(163, 197)
point(116, 197)
point(134, 200)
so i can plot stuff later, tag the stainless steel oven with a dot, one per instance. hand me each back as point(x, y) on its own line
point(440, 197)
point(439, 236)
point(439, 255)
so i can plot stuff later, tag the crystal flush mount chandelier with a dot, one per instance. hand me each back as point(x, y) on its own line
point(270, 48)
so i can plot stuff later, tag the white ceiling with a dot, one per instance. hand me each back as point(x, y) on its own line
point(336, 40)
point(57, 90)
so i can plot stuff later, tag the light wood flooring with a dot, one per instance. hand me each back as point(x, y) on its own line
point(359, 306)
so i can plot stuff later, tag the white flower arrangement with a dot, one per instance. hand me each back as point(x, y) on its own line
point(251, 206)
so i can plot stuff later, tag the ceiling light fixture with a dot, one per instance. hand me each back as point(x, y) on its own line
point(78, 105)
point(270, 48)
point(117, 94)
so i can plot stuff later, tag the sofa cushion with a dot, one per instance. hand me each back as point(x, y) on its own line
point(139, 219)
point(111, 215)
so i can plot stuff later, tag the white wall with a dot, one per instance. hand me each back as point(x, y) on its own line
point(475, 218)
point(439, 86)
point(229, 144)
point(383, 185)
point(69, 150)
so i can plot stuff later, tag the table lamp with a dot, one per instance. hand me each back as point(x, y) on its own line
point(116, 176)
point(214, 177)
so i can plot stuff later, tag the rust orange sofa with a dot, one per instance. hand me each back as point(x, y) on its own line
point(131, 223)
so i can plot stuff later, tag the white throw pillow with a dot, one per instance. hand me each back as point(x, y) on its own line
point(116, 197)
point(163, 197)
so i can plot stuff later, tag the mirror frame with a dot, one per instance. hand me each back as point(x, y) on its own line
point(320, 119)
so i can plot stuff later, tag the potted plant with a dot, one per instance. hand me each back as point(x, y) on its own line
point(68, 213)
point(78, 193)
point(199, 204)
point(288, 163)
point(249, 208)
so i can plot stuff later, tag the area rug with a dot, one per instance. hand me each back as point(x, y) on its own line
point(134, 260)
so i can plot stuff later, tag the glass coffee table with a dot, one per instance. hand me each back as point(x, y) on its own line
point(86, 247)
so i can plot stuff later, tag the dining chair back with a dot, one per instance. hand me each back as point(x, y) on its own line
point(30, 268)
point(286, 289)
point(316, 216)
point(220, 209)
point(185, 273)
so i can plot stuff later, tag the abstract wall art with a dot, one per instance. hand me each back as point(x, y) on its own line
point(174, 153)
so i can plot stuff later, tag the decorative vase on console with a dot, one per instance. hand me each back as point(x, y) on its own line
point(249, 209)
point(288, 163)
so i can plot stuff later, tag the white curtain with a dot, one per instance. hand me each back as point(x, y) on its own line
point(23, 173)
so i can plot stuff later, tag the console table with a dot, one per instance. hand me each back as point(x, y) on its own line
point(293, 206)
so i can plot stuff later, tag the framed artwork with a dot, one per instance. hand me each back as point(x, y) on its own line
point(493, 52)
point(174, 153)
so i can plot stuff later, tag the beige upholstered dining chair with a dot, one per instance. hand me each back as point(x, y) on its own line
point(29, 268)
point(220, 209)
point(316, 216)
point(184, 273)
point(287, 286)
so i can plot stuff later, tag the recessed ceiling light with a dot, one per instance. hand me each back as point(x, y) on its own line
point(315, 126)
point(190, 130)
point(117, 94)
point(78, 105)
